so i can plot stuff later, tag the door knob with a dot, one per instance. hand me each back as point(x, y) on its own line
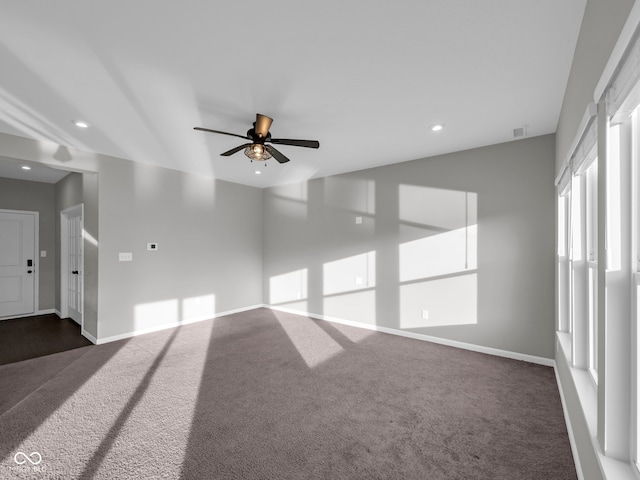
point(75, 272)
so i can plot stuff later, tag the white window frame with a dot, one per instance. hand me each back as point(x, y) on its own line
point(564, 282)
point(591, 174)
point(635, 284)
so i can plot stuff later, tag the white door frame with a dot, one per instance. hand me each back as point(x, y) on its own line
point(36, 260)
point(64, 261)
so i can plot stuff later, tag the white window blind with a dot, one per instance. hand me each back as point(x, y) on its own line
point(623, 94)
point(564, 181)
point(586, 151)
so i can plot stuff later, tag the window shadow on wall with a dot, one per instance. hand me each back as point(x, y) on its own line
point(400, 257)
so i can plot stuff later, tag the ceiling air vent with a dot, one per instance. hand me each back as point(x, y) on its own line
point(520, 132)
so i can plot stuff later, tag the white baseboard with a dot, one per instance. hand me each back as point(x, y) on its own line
point(549, 362)
point(57, 312)
point(89, 337)
point(166, 326)
point(46, 312)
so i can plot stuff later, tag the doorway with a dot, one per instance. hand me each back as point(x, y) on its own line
point(72, 263)
point(18, 272)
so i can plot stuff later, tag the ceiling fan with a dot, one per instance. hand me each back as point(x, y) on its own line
point(259, 135)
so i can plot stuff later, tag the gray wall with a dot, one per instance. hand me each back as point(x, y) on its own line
point(209, 234)
point(209, 237)
point(602, 23)
point(417, 233)
point(36, 197)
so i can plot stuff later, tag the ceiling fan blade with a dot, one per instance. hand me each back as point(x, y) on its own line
point(277, 155)
point(244, 137)
point(235, 150)
point(263, 124)
point(296, 143)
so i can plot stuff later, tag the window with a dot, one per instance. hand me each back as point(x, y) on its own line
point(619, 429)
point(563, 263)
point(635, 279)
point(604, 235)
point(592, 266)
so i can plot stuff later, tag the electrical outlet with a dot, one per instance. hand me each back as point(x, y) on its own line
point(152, 246)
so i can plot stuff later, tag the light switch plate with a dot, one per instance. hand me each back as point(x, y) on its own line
point(125, 257)
point(43, 253)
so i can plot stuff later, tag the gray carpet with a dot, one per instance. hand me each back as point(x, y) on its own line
point(268, 395)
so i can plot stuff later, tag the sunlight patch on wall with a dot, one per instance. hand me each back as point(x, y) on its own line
point(447, 301)
point(154, 314)
point(198, 308)
point(313, 344)
point(89, 238)
point(353, 194)
point(351, 273)
point(438, 261)
point(355, 306)
point(437, 207)
point(289, 288)
point(441, 254)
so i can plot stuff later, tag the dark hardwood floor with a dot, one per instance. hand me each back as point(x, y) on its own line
point(31, 337)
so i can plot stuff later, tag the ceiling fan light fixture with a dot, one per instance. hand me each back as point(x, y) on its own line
point(258, 152)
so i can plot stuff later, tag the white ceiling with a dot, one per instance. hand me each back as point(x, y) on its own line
point(365, 78)
point(38, 172)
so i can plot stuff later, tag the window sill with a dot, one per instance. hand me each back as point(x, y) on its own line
point(611, 468)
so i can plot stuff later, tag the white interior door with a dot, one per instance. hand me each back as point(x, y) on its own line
point(17, 263)
point(72, 263)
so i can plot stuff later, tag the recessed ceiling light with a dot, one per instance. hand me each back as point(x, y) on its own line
point(25, 167)
point(81, 124)
point(258, 172)
point(436, 127)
